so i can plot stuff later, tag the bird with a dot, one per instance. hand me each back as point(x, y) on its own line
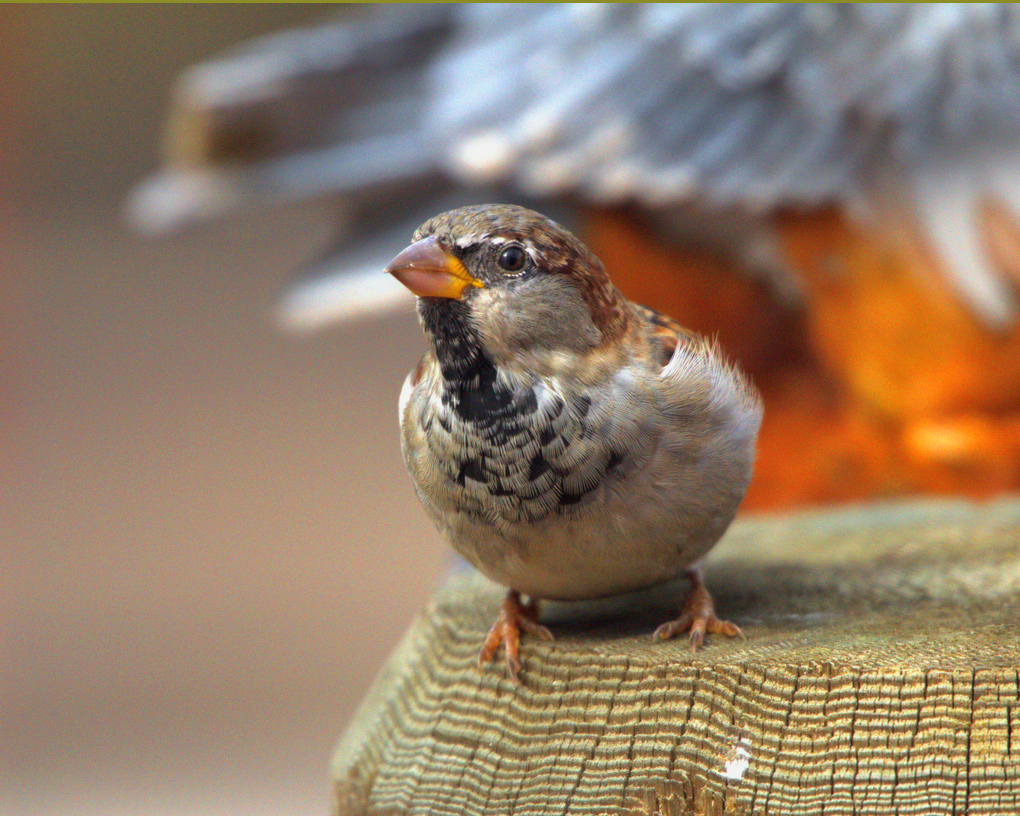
point(565, 441)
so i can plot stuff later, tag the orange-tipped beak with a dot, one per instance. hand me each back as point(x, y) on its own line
point(429, 271)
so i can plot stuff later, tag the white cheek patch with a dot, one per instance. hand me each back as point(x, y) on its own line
point(487, 299)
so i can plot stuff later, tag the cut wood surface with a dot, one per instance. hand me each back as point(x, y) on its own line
point(880, 676)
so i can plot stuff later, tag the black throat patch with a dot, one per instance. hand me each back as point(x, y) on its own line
point(471, 386)
point(515, 461)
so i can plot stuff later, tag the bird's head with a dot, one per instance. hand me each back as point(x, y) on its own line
point(511, 280)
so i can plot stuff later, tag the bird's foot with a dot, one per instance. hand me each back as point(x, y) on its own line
point(513, 616)
point(698, 616)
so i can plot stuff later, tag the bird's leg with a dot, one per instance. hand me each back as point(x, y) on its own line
point(698, 615)
point(513, 616)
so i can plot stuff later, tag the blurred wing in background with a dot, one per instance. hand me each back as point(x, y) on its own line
point(833, 188)
point(750, 106)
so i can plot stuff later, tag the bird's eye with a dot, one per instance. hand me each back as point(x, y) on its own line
point(513, 258)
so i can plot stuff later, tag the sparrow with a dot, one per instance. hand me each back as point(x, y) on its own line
point(568, 443)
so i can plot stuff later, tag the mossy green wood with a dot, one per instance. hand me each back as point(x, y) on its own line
point(880, 676)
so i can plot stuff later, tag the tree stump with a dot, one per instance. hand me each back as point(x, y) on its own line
point(880, 676)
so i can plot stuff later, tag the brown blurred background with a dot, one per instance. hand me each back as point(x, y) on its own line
point(212, 543)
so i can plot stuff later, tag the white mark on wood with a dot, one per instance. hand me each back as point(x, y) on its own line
point(738, 763)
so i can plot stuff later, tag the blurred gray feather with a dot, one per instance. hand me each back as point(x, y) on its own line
point(751, 106)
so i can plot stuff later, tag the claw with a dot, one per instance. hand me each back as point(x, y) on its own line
point(513, 616)
point(698, 616)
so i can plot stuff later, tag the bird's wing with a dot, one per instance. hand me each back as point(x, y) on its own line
point(667, 331)
point(333, 108)
point(697, 370)
point(757, 106)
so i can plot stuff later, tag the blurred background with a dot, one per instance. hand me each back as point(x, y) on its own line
point(213, 542)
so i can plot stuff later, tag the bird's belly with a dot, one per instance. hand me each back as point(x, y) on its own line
point(609, 547)
point(566, 564)
point(569, 500)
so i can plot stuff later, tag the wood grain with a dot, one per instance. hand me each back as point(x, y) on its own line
point(880, 676)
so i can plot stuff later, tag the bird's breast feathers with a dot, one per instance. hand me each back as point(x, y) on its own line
point(507, 452)
point(576, 473)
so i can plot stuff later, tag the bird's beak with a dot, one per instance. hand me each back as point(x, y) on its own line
point(429, 271)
